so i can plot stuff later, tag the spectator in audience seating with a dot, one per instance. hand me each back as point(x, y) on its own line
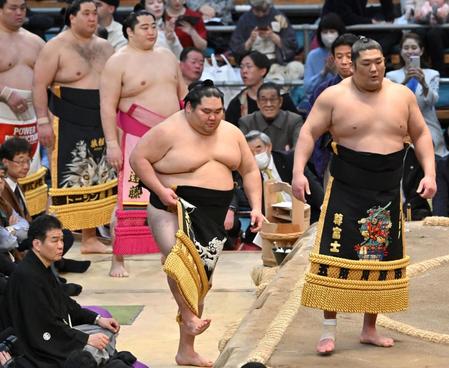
point(424, 83)
point(189, 25)
point(320, 65)
point(281, 126)
point(263, 28)
point(105, 12)
point(436, 38)
point(254, 67)
point(49, 324)
point(213, 10)
point(166, 35)
point(13, 229)
point(191, 62)
point(356, 12)
point(278, 165)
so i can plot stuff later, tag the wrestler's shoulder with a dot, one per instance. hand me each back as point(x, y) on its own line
point(397, 89)
point(230, 128)
point(31, 37)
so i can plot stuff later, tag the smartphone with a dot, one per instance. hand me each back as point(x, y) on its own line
point(187, 18)
point(264, 28)
point(415, 61)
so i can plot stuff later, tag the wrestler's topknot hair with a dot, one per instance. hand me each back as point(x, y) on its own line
point(14, 146)
point(363, 44)
point(73, 9)
point(200, 89)
point(131, 20)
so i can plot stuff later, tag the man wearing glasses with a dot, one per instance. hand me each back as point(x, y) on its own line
point(281, 126)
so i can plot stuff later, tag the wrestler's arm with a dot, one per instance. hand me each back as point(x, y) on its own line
point(318, 122)
point(422, 140)
point(44, 74)
point(110, 91)
point(151, 148)
point(252, 182)
point(182, 87)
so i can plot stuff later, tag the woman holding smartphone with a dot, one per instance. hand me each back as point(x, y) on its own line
point(425, 84)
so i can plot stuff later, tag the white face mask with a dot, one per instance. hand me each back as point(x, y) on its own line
point(262, 159)
point(329, 38)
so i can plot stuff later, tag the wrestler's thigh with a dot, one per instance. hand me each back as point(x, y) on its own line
point(164, 226)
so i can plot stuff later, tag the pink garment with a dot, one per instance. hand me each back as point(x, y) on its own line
point(132, 234)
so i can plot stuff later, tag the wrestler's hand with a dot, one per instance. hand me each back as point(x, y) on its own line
point(300, 187)
point(46, 135)
point(109, 324)
point(427, 187)
point(17, 103)
point(257, 218)
point(229, 220)
point(114, 155)
point(98, 340)
point(168, 197)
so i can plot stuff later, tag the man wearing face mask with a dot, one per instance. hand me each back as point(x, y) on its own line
point(281, 126)
point(278, 165)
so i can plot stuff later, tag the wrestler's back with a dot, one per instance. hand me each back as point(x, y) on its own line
point(155, 85)
point(19, 52)
point(80, 65)
point(370, 122)
point(199, 160)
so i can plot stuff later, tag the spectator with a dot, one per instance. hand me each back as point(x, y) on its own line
point(319, 62)
point(13, 229)
point(191, 64)
point(216, 10)
point(278, 165)
point(189, 25)
point(264, 29)
point(253, 68)
point(436, 38)
point(33, 288)
point(425, 84)
point(281, 126)
point(105, 12)
point(166, 35)
point(356, 12)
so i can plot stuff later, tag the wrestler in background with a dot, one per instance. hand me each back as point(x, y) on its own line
point(190, 157)
point(71, 64)
point(358, 260)
point(19, 49)
point(146, 86)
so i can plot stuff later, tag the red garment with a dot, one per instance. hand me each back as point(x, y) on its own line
point(184, 38)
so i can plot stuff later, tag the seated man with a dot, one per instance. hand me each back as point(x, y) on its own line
point(62, 325)
point(280, 125)
point(278, 165)
point(13, 230)
point(191, 63)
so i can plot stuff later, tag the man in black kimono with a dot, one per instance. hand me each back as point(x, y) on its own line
point(42, 315)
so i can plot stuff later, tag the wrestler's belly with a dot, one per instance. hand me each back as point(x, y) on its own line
point(20, 76)
point(164, 104)
point(212, 175)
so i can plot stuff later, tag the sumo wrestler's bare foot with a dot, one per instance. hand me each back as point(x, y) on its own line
point(194, 326)
point(91, 244)
point(118, 267)
point(373, 338)
point(325, 346)
point(192, 358)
